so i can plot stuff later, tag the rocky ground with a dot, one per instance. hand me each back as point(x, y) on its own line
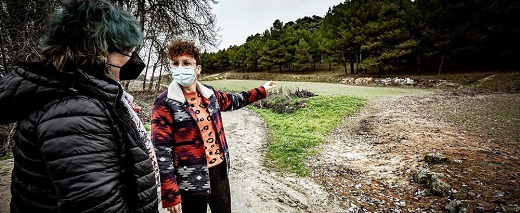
point(367, 164)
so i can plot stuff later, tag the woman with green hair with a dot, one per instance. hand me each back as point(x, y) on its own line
point(79, 145)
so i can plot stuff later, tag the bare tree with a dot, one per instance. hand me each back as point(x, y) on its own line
point(22, 23)
point(164, 65)
point(21, 26)
point(164, 20)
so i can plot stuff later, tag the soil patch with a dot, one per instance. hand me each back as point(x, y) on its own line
point(369, 162)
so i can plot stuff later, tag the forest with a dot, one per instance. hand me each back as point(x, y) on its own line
point(380, 36)
point(398, 36)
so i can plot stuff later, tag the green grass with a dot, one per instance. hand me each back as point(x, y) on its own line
point(293, 136)
point(6, 156)
point(148, 127)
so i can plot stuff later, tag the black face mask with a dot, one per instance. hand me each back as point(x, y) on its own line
point(131, 69)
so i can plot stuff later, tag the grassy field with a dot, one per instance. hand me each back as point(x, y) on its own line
point(325, 89)
point(293, 136)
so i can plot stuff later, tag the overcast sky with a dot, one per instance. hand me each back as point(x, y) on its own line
point(239, 19)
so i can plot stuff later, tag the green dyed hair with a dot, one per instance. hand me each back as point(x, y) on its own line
point(87, 30)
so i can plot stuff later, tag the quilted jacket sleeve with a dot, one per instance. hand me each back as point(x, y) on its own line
point(80, 151)
point(228, 101)
point(163, 141)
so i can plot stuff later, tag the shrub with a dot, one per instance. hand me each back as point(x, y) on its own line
point(285, 101)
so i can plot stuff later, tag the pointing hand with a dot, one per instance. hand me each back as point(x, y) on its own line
point(269, 85)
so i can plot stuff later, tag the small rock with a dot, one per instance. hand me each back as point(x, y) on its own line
point(457, 206)
point(440, 187)
point(499, 194)
point(436, 158)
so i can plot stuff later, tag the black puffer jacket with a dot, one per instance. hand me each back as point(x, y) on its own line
point(76, 148)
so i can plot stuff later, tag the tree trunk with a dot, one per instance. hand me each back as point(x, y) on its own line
point(147, 64)
point(158, 85)
point(358, 61)
point(418, 65)
point(4, 56)
point(440, 65)
point(345, 62)
point(352, 61)
point(153, 76)
point(380, 72)
point(141, 12)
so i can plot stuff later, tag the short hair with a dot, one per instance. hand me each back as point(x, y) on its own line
point(180, 47)
point(87, 30)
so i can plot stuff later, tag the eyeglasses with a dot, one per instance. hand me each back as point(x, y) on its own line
point(131, 54)
point(186, 64)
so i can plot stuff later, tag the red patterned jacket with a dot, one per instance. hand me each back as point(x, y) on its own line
point(178, 142)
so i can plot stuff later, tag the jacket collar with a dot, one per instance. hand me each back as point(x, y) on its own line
point(175, 92)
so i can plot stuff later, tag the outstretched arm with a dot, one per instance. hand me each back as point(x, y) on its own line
point(228, 101)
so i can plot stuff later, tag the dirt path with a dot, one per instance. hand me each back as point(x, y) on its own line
point(255, 188)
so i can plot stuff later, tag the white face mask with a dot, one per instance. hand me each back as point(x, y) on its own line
point(183, 76)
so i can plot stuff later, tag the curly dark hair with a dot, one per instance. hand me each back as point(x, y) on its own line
point(87, 30)
point(183, 47)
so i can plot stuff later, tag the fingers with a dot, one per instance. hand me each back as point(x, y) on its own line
point(178, 208)
point(175, 209)
point(170, 209)
point(269, 85)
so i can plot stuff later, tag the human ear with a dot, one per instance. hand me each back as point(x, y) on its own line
point(198, 69)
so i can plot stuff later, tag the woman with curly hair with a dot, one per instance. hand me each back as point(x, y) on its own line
point(188, 135)
point(79, 146)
